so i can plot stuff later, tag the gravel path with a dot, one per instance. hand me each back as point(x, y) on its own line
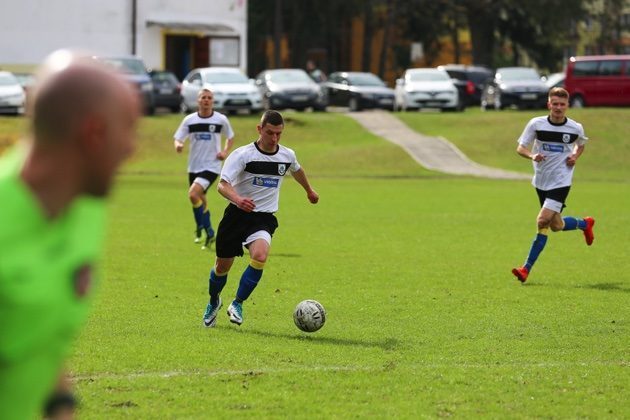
point(434, 153)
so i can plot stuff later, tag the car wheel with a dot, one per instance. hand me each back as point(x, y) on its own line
point(577, 102)
point(353, 104)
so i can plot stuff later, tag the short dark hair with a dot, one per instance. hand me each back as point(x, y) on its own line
point(271, 117)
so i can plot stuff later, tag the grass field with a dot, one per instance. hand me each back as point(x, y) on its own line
point(413, 267)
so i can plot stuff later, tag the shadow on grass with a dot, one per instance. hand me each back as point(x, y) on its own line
point(385, 344)
point(615, 287)
point(607, 287)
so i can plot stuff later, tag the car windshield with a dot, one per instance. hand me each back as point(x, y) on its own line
point(25, 79)
point(479, 77)
point(7, 80)
point(164, 77)
point(289, 77)
point(225, 77)
point(555, 78)
point(365, 79)
point(518, 74)
point(427, 76)
point(126, 65)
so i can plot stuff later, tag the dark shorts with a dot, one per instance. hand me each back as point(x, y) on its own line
point(236, 225)
point(557, 194)
point(210, 176)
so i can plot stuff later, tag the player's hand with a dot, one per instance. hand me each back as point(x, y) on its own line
point(178, 146)
point(222, 155)
point(571, 160)
point(246, 204)
point(538, 157)
point(313, 197)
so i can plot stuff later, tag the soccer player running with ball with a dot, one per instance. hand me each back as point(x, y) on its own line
point(204, 129)
point(250, 180)
point(554, 143)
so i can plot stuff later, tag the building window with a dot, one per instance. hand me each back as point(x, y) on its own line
point(224, 52)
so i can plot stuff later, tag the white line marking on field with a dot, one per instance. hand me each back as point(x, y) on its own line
point(255, 372)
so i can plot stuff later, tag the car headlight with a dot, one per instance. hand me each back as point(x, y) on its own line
point(146, 87)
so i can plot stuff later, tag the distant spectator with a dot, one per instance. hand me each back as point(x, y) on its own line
point(316, 74)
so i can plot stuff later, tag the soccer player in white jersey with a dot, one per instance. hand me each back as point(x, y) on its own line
point(554, 143)
point(250, 180)
point(204, 129)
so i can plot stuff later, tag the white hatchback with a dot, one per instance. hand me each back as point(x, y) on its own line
point(12, 96)
point(232, 90)
point(426, 88)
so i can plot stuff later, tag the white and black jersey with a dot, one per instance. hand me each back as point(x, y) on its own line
point(258, 175)
point(556, 142)
point(205, 140)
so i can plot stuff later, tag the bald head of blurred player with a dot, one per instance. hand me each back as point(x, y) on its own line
point(83, 120)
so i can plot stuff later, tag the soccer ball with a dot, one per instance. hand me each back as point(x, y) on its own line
point(309, 315)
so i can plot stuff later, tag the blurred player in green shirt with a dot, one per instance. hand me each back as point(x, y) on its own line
point(52, 185)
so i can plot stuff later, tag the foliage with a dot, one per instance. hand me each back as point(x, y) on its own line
point(543, 29)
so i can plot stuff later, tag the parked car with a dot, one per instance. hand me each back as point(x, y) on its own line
point(12, 96)
point(469, 81)
point(166, 90)
point(520, 87)
point(554, 80)
point(135, 71)
point(426, 88)
point(358, 91)
point(27, 80)
point(602, 80)
point(290, 88)
point(232, 90)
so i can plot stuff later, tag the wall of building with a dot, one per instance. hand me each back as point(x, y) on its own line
point(31, 29)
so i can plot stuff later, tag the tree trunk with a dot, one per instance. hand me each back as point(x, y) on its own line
point(482, 22)
point(367, 36)
point(277, 34)
point(391, 10)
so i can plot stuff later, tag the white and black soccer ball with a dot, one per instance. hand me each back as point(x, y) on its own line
point(309, 315)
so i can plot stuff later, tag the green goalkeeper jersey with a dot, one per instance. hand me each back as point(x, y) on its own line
point(45, 279)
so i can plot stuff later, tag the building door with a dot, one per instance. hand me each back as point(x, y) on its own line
point(184, 53)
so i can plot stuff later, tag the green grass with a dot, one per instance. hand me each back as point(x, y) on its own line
point(490, 138)
point(424, 317)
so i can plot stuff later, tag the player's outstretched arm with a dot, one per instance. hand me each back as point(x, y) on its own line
point(524, 151)
point(577, 152)
point(227, 191)
point(222, 155)
point(300, 177)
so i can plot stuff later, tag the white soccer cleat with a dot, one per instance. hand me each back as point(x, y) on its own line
point(235, 311)
point(210, 316)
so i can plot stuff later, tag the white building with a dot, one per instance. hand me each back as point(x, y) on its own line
point(168, 34)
